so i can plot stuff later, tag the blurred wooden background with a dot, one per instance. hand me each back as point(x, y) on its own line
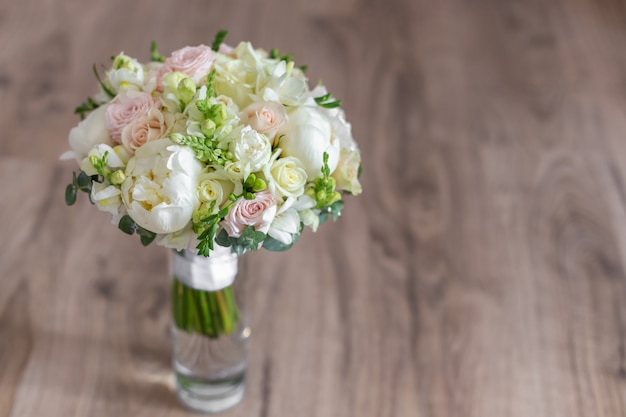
point(480, 274)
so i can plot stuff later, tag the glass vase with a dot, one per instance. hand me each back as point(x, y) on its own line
point(209, 329)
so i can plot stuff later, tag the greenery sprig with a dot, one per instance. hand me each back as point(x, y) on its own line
point(155, 56)
point(210, 224)
point(82, 182)
point(85, 107)
point(104, 87)
point(128, 226)
point(274, 54)
point(204, 148)
point(219, 39)
point(327, 101)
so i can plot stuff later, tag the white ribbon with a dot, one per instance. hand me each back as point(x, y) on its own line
point(206, 273)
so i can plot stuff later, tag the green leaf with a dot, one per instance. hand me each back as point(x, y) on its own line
point(276, 245)
point(219, 38)
point(146, 240)
point(84, 181)
point(155, 56)
point(85, 107)
point(336, 208)
point(70, 194)
point(324, 101)
point(223, 239)
point(127, 225)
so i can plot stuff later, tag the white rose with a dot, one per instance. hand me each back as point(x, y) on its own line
point(214, 186)
point(89, 133)
point(306, 136)
point(106, 197)
point(160, 187)
point(286, 177)
point(347, 173)
point(252, 150)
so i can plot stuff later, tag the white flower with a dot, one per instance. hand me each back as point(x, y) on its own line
point(285, 177)
point(308, 217)
point(284, 226)
point(306, 136)
point(126, 74)
point(106, 197)
point(347, 173)
point(160, 189)
point(184, 239)
point(215, 186)
point(252, 150)
point(89, 133)
point(115, 158)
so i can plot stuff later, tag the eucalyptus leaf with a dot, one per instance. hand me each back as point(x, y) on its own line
point(70, 194)
point(127, 225)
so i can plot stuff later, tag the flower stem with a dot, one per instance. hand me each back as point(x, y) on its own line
point(210, 313)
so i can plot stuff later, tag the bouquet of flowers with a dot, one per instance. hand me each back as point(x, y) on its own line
point(213, 146)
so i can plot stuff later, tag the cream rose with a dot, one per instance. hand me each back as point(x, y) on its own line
point(347, 173)
point(90, 132)
point(286, 177)
point(127, 108)
point(258, 213)
point(148, 128)
point(160, 187)
point(265, 117)
point(306, 136)
point(193, 61)
point(214, 186)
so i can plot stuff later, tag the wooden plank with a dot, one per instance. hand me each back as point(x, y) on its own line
point(480, 274)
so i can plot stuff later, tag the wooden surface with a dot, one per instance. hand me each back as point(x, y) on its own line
point(480, 274)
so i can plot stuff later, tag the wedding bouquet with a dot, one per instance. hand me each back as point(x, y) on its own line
point(213, 145)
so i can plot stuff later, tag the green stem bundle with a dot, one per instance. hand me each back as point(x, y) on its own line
point(210, 313)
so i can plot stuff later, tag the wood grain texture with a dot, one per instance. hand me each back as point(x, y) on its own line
point(480, 274)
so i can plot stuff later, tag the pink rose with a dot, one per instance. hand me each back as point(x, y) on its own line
point(150, 127)
point(193, 61)
point(128, 108)
point(258, 213)
point(265, 117)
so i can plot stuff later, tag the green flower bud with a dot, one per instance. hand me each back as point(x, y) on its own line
point(259, 185)
point(118, 177)
point(125, 62)
point(208, 127)
point(186, 90)
point(171, 80)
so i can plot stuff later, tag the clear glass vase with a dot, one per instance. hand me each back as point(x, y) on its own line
point(209, 329)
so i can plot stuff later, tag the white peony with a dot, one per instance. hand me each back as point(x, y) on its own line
point(160, 187)
point(306, 136)
point(89, 133)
